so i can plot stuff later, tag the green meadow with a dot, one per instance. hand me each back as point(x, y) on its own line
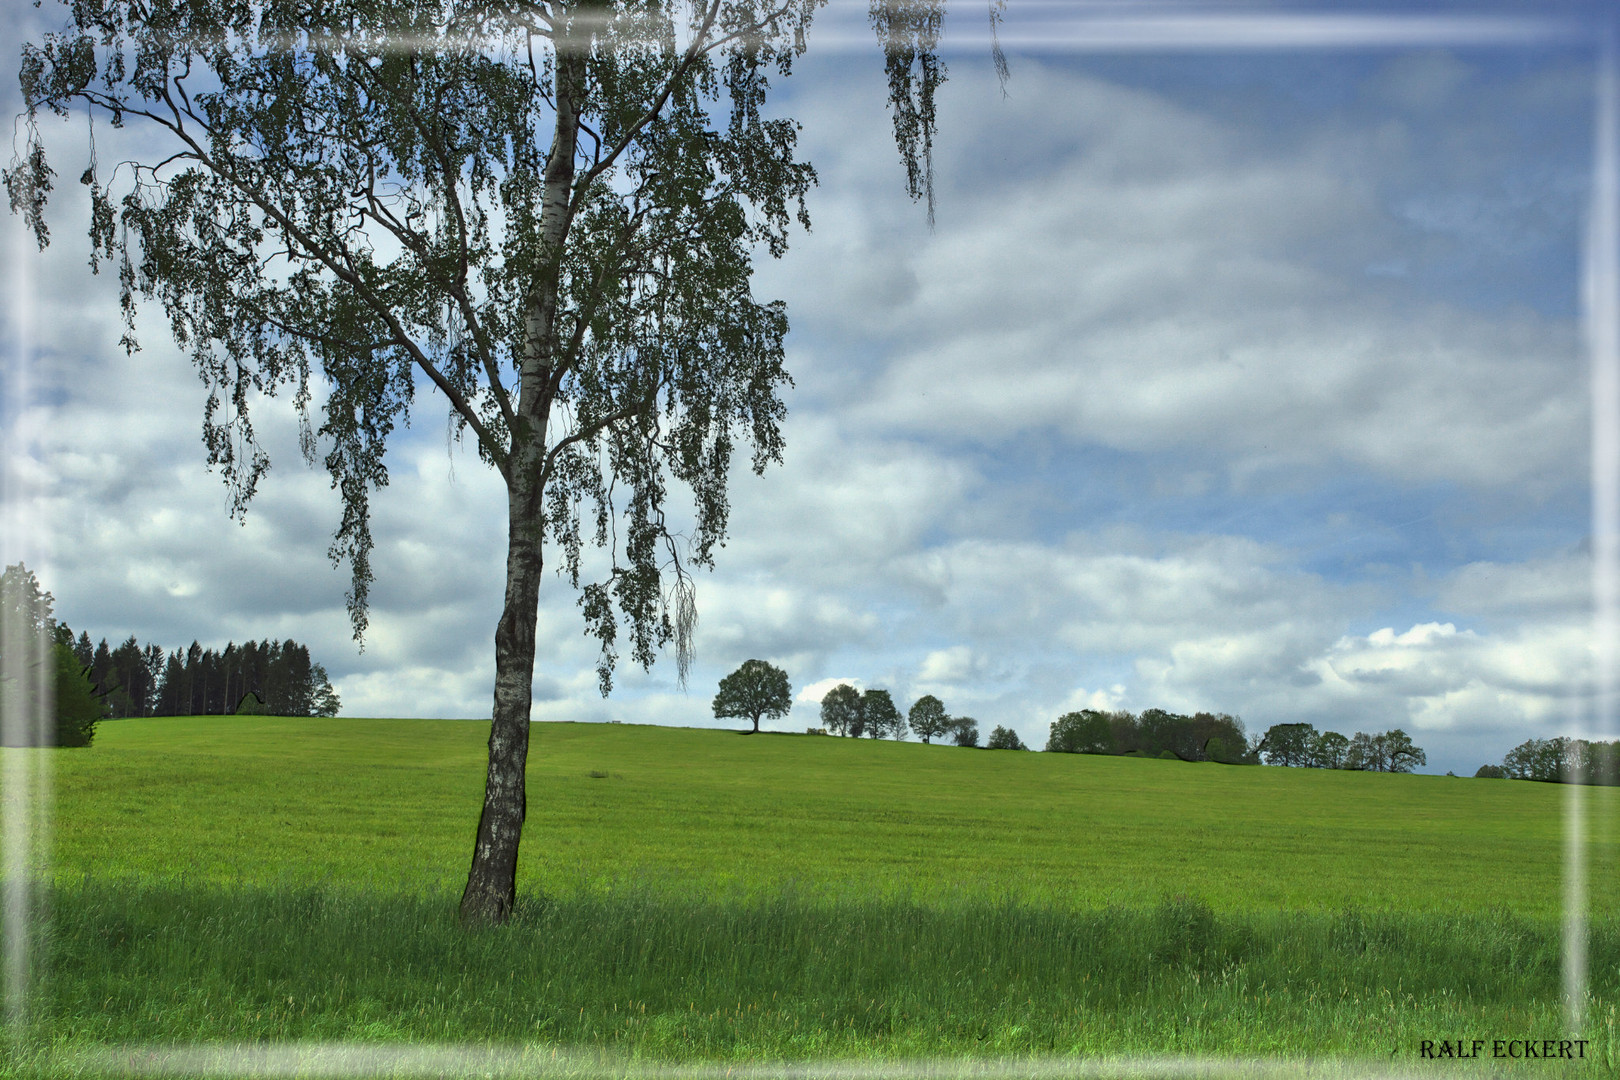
point(695, 896)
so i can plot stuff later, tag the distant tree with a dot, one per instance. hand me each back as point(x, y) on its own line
point(1127, 732)
point(754, 690)
point(1328, 750)
point(324, 701)
point(153, 659)
point(965, 731)
point(1389, 751)
point(85, 651)
point(841, 711)
point(928, 717)
point(27, 637)
point(1400, 755)
point(1288, 745)
point(128, 693)
point(1085, 732)
point(1220, 737)
point(1365, 753)
point(1004, 738)
point(881, 715)
point(1164, 732)
point(25, 608)
point(1490, 772)
point(1535, 759)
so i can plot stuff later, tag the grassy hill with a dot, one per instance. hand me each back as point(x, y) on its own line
point(390, 803)
point(699, 895)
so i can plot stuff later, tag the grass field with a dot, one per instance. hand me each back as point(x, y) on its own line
point(705, 896)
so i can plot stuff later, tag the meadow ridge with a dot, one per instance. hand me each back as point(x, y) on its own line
point(392, 804)
point(695, 896)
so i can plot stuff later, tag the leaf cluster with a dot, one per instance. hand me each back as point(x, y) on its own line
point(362, 198)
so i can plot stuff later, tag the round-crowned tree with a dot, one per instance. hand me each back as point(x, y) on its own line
point(754, 690)
point(927, 717)
point(842, 711)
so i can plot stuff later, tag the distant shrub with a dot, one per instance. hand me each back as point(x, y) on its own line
point(1491, 772)
point(965, 731)
point(1004, 739)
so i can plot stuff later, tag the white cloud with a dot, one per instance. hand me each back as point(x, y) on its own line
point(1160, 282)
point(1111, 267)
point(818, 689)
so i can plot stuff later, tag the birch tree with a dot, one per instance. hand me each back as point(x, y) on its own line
point(543, 211)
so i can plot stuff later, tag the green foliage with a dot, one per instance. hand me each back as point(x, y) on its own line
point(1390, 751)
point(842, 711)
point(1288, 745)
point(1328, 750)
point(880, 716)
point(78, 707)
point(1490, 772)
point(586, 314)
point(1004, 738)
point(1084, 732)
point(252, 705)
point(603, 983)
point(927, 718)
point(965, 731)
point(1156, 734)
point(756, 689)
point(1562, 760)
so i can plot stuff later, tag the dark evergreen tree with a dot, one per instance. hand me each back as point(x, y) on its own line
point(85, 651)
point(78, 706)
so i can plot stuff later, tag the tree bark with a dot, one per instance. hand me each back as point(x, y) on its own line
point(492, 880)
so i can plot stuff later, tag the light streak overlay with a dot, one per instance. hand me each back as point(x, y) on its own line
point(1053, 26)
point(28, 674)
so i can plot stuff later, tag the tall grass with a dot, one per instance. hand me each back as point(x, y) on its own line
point(649, 975)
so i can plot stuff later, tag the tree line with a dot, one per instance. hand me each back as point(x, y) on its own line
point(1560, 761)
point(1302, 746)
point(93, 683)
point(1155, 734)
point(758, 689)
point(145, 681)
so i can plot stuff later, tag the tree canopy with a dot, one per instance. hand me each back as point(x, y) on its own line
point(842, 712)
point(756, 689)
point(1004, 738)
point(927, 717)
point(880, 716)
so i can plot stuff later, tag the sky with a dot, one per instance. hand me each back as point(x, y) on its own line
point(1246, 378)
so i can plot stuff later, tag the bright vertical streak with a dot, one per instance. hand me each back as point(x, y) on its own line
point(1601, 286)
point(30, 683)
